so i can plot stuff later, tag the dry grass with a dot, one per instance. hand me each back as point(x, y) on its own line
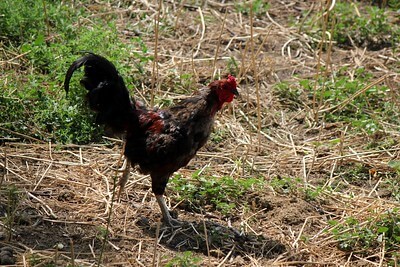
point(65, 192)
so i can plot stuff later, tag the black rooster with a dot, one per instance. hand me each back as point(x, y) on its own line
point(158, 141)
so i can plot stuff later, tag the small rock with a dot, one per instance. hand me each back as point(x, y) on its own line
point(5, 254)
point(143, 222)
point(6, 248)
point(59, 246)
point(7, 260)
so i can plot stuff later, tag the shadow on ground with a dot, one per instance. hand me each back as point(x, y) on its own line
point(222, 240)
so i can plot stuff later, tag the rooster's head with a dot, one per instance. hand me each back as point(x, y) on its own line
point(226, 89)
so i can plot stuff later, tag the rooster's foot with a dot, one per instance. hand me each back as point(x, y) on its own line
point(173, 223)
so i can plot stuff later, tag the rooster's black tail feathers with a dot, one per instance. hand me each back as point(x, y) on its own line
point(107, 95)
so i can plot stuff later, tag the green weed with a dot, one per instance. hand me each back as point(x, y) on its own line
point(371, 29)
point(356, 25)
point(290, 96)
point(185, 259)
point(395, 4)
point(233, 66)
point(39, 260)
point(218, 136)
point(11, 206)
point(25, 21)
point(393, 181)
point(365, 112)
point(41, 110)
point(393, 186)
point(33, 101)
point(296, 187)
point(186, 80)
point(313, 193)
point(286, 185)
point(102, 233)
point(355, 174)
point(34, 259)
point(259, 7)
point(382, 230)
point(183, 83)
point(206, 191)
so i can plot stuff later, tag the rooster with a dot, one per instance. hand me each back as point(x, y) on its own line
point(158, 141)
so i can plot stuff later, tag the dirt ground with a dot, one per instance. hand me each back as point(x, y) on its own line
point(63, 198)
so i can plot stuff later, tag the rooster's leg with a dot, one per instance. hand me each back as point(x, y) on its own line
point(126, 167)
point(168, 220)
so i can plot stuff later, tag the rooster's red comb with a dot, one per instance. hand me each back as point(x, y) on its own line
point(232, 80)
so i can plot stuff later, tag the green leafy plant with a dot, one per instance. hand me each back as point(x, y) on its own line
point(290, 96)
point(11, 206)
point(142, 57)
point(286, 185)
point(33, 102)
point(384, 229)
point(356, 174)
point(25, 21)
point(314, 193)
point(233, 66)
point(206, 191)
point(39, 260)
point(295, 186)
point(186, 80)
point(218, 136)
point(259, 7)
point(351, 24)
point(365, 112)
point(185, 259)
point(370, 29)
point(393, 4)
point(102, 233)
